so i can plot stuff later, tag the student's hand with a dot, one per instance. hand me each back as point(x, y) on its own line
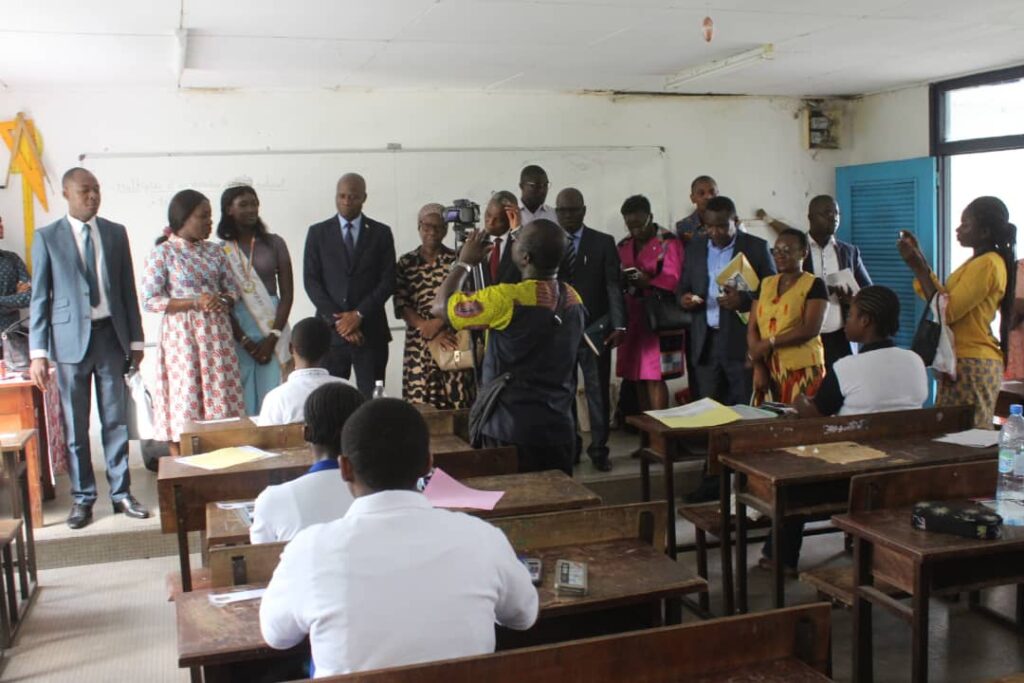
point(429, 329)
point(690, 302)
point(475, 249)
point(449, 340)
point(39, 371)
point(615, 338)
point(354, 338)
point(348, 322)
point(730, 299)
point(762, 382)
point(264, 351)
point(23, 287)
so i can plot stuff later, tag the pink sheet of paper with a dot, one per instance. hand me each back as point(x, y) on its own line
point(445, 492)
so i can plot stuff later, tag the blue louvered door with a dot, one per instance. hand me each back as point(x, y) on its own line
point(879, 200)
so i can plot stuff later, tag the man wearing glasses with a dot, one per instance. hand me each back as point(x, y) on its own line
point(533, 186)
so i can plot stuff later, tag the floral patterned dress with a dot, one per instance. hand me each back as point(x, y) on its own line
point(422, 381)
point(197, 369)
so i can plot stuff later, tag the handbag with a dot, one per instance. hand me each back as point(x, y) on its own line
point(484, 405)
point(663, 313)
point(927, 335)
point(15, 347)
point(139, 407)
point(453, 360)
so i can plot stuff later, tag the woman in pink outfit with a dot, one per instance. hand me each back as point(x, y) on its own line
point(652, 259)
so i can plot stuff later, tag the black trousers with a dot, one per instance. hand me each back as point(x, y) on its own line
point(369, 362)
point(596, 381)
point(721, 378)
point(538, 458)
point(836, 346)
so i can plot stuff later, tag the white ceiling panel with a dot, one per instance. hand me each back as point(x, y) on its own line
point(278, 54)
point(86, 60)
point(117, 17)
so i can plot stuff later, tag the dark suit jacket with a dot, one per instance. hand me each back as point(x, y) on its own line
point(337, 281)
point(508, 271)
point(597, 278)
point(849, 257)
point(694, 280)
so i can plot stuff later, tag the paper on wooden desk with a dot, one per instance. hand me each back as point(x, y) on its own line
point(445, 492)
point(226, 457)
point(221, 599)
point(703, 413)
point(979, 438)
point(838, 453)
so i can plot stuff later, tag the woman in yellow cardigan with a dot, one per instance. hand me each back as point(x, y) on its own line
point(977, 290)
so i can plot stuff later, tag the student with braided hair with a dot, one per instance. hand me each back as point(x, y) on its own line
point(882, 377)
point(976, 290)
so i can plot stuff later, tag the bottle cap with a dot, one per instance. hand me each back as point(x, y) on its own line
point(1016, 409)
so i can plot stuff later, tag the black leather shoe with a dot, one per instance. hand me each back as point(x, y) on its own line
point(602, 464)
point(131, 508)
point(80, 516)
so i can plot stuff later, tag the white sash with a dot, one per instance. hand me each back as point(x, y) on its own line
point(257, 300)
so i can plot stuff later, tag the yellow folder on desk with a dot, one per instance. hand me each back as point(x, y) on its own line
point(703, 413)
point(741, 276)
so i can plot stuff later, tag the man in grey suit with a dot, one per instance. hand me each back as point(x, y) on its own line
point(85, 318)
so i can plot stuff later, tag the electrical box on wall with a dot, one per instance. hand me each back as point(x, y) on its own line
point(820, 125)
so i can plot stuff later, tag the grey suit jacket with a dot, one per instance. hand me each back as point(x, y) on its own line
point(60, 293)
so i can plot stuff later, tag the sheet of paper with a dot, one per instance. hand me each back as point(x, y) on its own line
point(214, 422)
point(703, 413)
point(838, 453)
point(752, 413)
point(234, 505)
point(221, 599)
point(843, 278)
point(445, 492)
point(226, 457)
point(979, 438)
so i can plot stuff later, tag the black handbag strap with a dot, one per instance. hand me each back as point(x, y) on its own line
point(15, 325)
point(928, 308)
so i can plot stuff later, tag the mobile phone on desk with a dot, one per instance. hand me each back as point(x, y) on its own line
point(534, 566)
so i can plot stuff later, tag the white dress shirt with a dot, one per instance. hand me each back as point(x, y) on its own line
point(395, 582)
point(102, 309)
point(825, 261)
point(543, 211)
point(286, 403)
point(284, 510)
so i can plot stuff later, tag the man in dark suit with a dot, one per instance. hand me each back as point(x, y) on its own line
point(718, 336)
point(349, 274)
point(85, 318)
point(592, 267)
point(501, 219)
point(827, 256)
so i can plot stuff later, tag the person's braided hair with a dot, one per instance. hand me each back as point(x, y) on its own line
point(326, 410)
point(991, 214)
point(883, 307)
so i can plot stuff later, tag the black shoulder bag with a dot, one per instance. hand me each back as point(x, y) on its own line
point(663, 312)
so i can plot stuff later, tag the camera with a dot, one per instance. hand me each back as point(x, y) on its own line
point(463, 214)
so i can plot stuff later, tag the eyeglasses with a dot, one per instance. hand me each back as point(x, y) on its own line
point(782, 251)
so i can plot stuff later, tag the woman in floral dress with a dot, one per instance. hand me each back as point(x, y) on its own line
point(187, 279)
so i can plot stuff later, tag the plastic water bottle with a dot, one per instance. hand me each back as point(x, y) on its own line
point(1011, 445)
point(378, 392)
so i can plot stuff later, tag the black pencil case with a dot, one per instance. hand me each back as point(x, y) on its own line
point(958, 517)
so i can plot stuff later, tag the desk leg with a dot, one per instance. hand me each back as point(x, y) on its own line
point(30, 541)
point(741, 548)
point(778, 575)
point(670, 495)
point(645, 479)
point(30, 419)
point(725, 539)
point(195, 674)
point(181, 520)
point(863, 667)
point(919, 624)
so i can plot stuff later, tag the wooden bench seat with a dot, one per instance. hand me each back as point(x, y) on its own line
point(836, 584)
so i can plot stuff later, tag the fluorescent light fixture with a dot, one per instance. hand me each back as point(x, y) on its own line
point(720, 66)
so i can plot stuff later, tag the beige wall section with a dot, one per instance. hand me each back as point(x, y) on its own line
point(889, 126)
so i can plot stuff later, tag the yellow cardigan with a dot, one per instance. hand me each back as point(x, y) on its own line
point(975, 291)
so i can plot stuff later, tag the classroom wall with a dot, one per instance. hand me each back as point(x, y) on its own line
point(889, 126)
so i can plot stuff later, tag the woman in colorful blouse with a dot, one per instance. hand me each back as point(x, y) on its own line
point(187, 280)
point(652, 259)
point(976, 290)
point(783, 333)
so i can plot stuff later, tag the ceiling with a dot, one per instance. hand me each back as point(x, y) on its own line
point(822, 47)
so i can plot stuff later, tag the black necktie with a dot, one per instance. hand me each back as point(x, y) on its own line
point(90, 267)
point(350, 241)
point(570, 259)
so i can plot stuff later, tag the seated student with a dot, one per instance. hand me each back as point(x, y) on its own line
point(320, 495)
point(395, 581)
point(311, 340)
point(881, 377)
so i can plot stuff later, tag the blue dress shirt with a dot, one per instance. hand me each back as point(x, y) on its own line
point(718, 259)
point(357, 227)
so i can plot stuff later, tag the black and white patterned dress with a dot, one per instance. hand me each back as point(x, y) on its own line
point(422, 381)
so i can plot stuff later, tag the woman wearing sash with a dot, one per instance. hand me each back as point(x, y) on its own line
point(262, 267)
point(783, 334)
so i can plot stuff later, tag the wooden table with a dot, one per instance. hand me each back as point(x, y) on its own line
point(887, 549)
point(622, 572)
point(14, 452)
point(666, 446)
point(1011, 392)
point(525, 494)
point(21, 408)
point(781, 485)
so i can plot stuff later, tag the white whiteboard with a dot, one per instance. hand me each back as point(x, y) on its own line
point(296, 190)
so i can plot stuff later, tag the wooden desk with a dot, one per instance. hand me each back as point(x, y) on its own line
point(920, 563)
point(21, 408)
point(1011, 392)
point(14, 452)
point(666, 446)
point(781, 485)
point(525, 494)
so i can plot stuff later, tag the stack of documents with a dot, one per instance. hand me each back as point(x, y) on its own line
point(226, 457)
point(703, 413)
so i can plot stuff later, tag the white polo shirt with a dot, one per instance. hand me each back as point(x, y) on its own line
point(394, 582)
point(881, 378)
point(543, 211)
point(283, 510)
point(286, 403)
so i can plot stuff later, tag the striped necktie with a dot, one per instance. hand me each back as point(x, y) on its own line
point(90, 267)
point(570, 259)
